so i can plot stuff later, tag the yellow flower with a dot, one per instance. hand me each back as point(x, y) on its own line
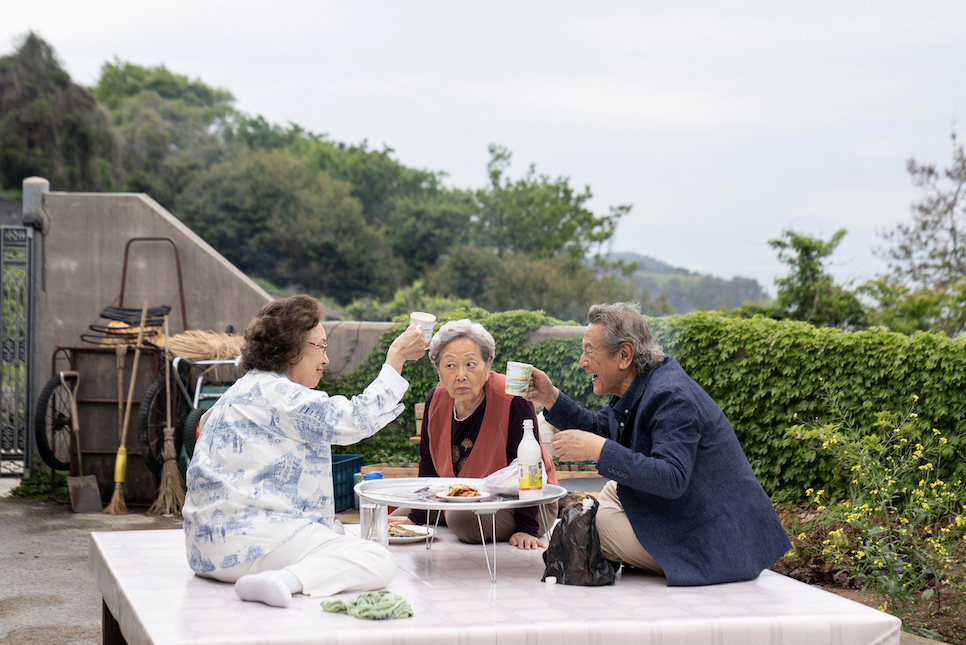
point(936, 431)
point(915, 397)
point(914, 415)
point(802, 536)
point(808, 492)
point(881, 607)
point(944, 441)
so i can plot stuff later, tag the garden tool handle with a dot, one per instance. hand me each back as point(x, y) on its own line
point(74, 421)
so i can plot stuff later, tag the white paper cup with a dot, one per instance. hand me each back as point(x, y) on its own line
point(424, 321)
point(518, 378)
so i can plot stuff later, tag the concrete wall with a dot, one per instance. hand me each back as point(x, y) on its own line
point(84, 253)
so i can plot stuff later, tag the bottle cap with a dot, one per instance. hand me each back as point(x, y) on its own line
point(551, 580)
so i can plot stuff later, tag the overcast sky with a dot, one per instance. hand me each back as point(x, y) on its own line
point(721, 123)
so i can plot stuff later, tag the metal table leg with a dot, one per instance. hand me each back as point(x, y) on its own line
point(479, 521)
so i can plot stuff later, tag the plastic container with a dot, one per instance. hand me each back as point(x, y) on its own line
point(373, 518)
point(343, 468)
point(530, 463)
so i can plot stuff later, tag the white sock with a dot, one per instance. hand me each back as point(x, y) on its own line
point(273, 588)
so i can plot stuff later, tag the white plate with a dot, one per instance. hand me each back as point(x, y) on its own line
point(460, 498)
point(426, 532)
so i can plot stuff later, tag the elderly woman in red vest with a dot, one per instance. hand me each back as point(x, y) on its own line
point(472, 428)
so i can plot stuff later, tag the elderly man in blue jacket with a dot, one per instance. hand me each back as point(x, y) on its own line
point(683, 499)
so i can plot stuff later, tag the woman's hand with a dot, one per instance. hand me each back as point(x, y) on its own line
point(526, 541)
point(408, 346)
point(541, 390)
point(577, 445)
point(400, 519)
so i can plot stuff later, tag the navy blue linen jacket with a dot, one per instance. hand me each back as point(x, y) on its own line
point(688, 490)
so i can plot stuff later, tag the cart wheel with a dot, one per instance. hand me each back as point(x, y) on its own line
point(53, 424)
point(191, 429)
point(152, 417)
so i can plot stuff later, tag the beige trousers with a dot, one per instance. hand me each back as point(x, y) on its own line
point(325, 562)
point(617, 540)
point(465, 526)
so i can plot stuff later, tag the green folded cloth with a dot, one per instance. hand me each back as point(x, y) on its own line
point(379, 605)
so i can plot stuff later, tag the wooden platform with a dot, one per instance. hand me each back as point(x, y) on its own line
point(151, 596)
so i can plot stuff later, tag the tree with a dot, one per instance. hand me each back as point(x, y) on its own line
point(560, 286)
point(276, 218)
point(808, 292)
point(168, 125)
point(537, 216)
point(121, 80)
point(51, 127)
point(929, 257)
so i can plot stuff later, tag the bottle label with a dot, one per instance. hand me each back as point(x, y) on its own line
point(531, 476)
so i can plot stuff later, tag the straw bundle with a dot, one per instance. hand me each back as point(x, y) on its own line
point(196, 345)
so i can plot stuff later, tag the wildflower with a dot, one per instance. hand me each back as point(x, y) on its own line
point(881, 607)
point(914, 415)
point(802, 536)
point(936, 431)
point(915, 398)
point(944, 441)
point(808, 492)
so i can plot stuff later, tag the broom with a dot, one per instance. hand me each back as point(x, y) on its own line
point(171, 491)
point(117, 505)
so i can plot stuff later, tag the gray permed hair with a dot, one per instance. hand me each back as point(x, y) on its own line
point(623, 323)
point(462, 329)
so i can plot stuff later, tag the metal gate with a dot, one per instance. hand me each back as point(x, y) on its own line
point(16, 349)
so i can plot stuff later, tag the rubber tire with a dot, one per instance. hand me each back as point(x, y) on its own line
point(53, 438)
point(190, 432)
point(152, 417)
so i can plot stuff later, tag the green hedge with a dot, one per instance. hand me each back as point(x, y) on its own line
point(766, 375)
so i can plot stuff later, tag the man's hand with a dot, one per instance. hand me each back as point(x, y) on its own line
point(408, 346)
point(577, 445)
point(400, 519)
point(541, 390)
point(526, 541)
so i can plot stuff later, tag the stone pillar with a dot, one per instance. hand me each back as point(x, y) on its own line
point(34, 189)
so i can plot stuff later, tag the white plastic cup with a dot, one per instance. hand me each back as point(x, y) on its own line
point(424, 321)
point(518, 378)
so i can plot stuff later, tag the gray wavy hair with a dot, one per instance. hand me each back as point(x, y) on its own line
point(623, 323)
point(462, 329)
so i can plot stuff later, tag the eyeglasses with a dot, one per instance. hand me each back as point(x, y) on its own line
point(322, 346)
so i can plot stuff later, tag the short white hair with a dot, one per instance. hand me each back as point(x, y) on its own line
point(462, 329)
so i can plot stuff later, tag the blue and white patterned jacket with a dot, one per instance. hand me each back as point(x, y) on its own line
point(262, 467)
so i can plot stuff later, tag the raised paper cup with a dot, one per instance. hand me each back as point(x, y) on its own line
point(424, 321)
point(518, 378)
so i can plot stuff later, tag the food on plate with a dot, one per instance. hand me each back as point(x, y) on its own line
point(462, 490)
point(398, 531)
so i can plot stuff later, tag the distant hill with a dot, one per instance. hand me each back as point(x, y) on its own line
point(686, 290)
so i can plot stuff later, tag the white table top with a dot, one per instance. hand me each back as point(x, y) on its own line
point(403, 491)
point(148, 587)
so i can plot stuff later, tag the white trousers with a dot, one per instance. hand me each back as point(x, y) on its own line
point(325, 562)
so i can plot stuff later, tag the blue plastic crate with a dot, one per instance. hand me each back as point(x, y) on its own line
point(343, 468)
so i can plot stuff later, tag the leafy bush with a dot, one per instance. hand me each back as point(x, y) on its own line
point(900, 531)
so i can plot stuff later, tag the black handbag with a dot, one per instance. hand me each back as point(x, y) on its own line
point(574, 555)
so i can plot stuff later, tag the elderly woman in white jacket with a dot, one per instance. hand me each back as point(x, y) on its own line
point(259, 510)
